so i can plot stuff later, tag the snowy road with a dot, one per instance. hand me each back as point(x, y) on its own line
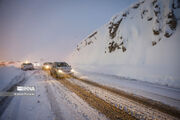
point(73, 99)
point(122, 101)
point(67, 105)
point(164, 94)
point(52, 101)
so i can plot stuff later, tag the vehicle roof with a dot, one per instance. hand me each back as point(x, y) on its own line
point(59, 62)
point(27, 63)
point(47, 63)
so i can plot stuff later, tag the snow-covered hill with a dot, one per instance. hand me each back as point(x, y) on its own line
point(142, 42)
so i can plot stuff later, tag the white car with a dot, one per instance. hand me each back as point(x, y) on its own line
point(61, 70)
point(37, 65)
point(27, 66)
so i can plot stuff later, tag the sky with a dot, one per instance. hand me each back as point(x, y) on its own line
point(50, 29)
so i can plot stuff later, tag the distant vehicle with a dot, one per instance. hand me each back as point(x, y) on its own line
point(27, 66)
point(47, 66)
point(61, 70)
point(36, 64)
point(11, 62)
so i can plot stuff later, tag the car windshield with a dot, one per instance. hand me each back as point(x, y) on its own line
point(63, 64)
point(48, 63)
point(27, 63)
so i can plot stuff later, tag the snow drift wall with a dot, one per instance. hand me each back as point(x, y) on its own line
point(143, 43)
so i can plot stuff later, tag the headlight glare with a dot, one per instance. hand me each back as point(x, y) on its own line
point(72, 70)
point(47, 66)
point(60, 71)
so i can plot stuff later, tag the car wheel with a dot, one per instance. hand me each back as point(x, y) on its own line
point(51, 73)
point(57, 76)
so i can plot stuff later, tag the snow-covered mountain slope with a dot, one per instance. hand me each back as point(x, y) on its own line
point(142, 42)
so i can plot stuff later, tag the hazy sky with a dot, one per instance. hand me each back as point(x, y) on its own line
point(50, 29)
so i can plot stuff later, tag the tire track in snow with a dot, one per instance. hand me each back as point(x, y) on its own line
point(120, 100)
point(53, 102)
point(69, 104)
point(102, 106)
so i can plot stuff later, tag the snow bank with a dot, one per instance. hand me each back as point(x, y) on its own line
point(164, 94)
point(7, 75)
point(140, 43)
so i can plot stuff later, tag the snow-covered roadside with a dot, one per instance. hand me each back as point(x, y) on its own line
point(9, 75)
point(137, 51)
point(134, 108)
point(139, 43)
point(52, 101)
point(167, 95)
point(30, 107)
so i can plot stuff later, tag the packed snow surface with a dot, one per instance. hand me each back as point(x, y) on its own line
point(52, 101)
point(164, 94)
point(9, 75)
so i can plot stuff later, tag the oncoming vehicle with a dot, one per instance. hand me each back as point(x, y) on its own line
point(27, 66)
point(47, 66)
point(61, 70)
point(37, 65)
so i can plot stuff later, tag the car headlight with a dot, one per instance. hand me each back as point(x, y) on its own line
point(60, 71)
point(26, 61)
point(72, 70)
point(47, 66)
